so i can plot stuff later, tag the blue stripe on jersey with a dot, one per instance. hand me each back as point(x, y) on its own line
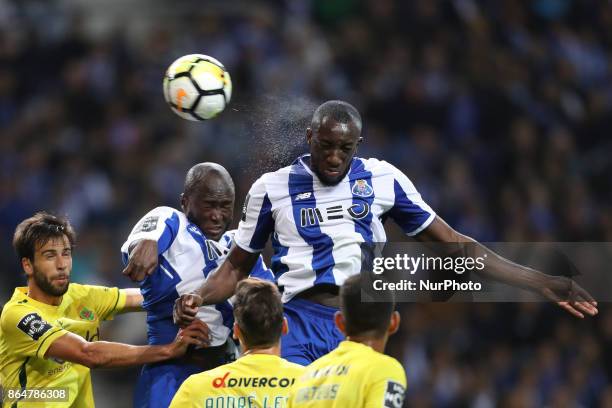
point(405, 213)
point(300, 181)
point(168, 236)
point(159, 288)
point(198, 236)
point(278, 267)
point(264, 227)
point(260, 272)
point(362, 204)
point(227, 312)
point(161, 330)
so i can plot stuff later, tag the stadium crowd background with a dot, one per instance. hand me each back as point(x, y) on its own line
point(499, 111)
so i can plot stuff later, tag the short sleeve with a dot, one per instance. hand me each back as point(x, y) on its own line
point(160, 224)
point(388, 388)
point(257, 222)
point(27, 333)
point(409, 209)
point(105, 301)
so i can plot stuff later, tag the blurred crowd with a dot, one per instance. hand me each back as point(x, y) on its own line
point(499, 111)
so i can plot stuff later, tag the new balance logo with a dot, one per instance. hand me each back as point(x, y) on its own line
point(303, 196)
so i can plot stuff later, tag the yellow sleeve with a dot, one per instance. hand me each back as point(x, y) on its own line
point(26, 332)
point(183, 397)
point(388, 388)
point(105, 301)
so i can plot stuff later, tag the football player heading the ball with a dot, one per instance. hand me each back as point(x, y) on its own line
point(318, 211)
point(171, 252)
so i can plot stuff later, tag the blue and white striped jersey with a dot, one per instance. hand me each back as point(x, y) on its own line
point(186, 258)
point(317, 229)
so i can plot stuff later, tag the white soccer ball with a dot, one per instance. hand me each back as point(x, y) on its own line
point(197, 87)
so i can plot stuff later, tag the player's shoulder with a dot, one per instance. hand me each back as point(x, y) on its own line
point(291, 368)
point(164, 211)
point(375, 165)
point(78, 291)
point(385, 366)
point(271, 183)
point(15, 310)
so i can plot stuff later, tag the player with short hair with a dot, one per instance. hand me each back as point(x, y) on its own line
point(260, 378)
point(319, 210)
point(171, 253)
point(357, 373)
point(49, 330)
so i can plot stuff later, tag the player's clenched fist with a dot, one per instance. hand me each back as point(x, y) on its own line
point(196, 334)
point(143, 260)
point(186, 308)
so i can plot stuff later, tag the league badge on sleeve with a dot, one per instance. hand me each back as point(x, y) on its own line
point(394, 395)
point(33, 325)
point(147, 225)
point(361, 188)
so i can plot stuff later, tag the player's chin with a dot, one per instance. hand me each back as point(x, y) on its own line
point(59, 289)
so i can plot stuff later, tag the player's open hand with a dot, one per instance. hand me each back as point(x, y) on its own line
point(185, 309)
point(143, 260)
point(570, 296)
point(197, 334)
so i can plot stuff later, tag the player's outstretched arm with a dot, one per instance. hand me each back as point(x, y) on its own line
point(71, 347)
point(133, 300)
point(142, 260)
point(219, 286)
point(563, 291)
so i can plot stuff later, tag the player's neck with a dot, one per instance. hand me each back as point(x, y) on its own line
point(378, 344)
point(273, 350)
point(34, 292)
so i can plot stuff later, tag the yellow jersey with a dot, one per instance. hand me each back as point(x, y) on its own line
point(353, 375)
point(27, 329)
point(254, 380)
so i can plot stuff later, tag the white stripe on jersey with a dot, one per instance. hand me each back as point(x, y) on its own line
point(319, 228)
point(186, 258)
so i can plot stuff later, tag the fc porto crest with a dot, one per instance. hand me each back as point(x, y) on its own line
point(361, 188)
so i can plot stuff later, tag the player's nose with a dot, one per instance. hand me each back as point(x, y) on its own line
point(215, 214)
point(61, 263)
point(334, 159)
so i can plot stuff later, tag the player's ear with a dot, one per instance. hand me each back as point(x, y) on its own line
point(285, 328)
point(183, 202)
point(308, 135)
point(394, 323)
point(26, 264)
point(340, 323)
point(236, 334)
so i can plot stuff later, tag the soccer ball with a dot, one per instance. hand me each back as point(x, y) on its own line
point(197, 87)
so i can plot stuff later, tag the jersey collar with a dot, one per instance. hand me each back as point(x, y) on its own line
point(21, 294)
